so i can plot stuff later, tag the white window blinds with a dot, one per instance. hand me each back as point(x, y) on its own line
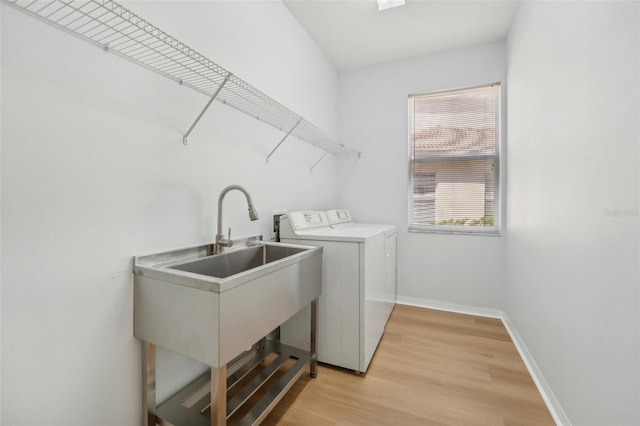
point(454, 160)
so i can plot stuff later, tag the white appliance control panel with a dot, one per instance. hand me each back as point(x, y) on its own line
point(307, 220)
point(339, 216)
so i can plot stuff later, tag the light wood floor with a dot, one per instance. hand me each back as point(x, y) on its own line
point(431, 368)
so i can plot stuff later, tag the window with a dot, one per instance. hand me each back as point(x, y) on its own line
point(454, 159)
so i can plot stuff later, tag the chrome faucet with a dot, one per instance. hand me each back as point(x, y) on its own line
point(221, 241)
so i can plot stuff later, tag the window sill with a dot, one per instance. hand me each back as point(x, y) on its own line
point(455, 230)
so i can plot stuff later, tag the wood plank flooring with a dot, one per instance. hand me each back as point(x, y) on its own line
point(431, 368)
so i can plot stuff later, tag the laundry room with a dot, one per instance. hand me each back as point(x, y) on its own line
point(405, 212)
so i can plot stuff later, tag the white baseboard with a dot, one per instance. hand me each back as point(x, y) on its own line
point(449, 307)
point(553, 405)
point(558, 414)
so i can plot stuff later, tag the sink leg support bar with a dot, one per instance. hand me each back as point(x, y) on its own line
point(148, 384)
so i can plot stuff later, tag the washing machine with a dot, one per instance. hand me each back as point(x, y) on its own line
point(358, 285)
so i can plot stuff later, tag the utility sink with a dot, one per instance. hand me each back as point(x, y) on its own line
point(212, 307)
point(228, 264)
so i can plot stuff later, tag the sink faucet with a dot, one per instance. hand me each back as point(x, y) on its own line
point(221, 241)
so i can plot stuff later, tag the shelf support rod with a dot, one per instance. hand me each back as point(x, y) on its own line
point(283, 139)
point(215, 95)
point(316, 163)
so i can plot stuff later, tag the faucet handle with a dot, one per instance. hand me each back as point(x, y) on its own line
point(221, 241)
point(228, 242)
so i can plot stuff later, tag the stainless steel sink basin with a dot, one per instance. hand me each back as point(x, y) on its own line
point(227, 264)
point(212, 307)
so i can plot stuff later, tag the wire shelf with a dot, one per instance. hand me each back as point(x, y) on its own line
point(117, 30)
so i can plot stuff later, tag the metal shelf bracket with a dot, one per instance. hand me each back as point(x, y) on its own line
point(283, 139)
point(206, 107)
point(316, 163)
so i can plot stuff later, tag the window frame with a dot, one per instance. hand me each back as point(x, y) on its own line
point(496, 229)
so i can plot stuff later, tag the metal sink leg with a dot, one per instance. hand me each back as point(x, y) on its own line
point(313, 365)
point(219, 396)
point(148, 384)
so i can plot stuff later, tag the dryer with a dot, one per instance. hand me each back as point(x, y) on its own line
point(358, 285)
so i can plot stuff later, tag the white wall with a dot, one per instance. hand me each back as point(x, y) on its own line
point(572, 235)
point(94, 172)
point(457, 269)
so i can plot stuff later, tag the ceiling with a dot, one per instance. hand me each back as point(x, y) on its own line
point(353, 33)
